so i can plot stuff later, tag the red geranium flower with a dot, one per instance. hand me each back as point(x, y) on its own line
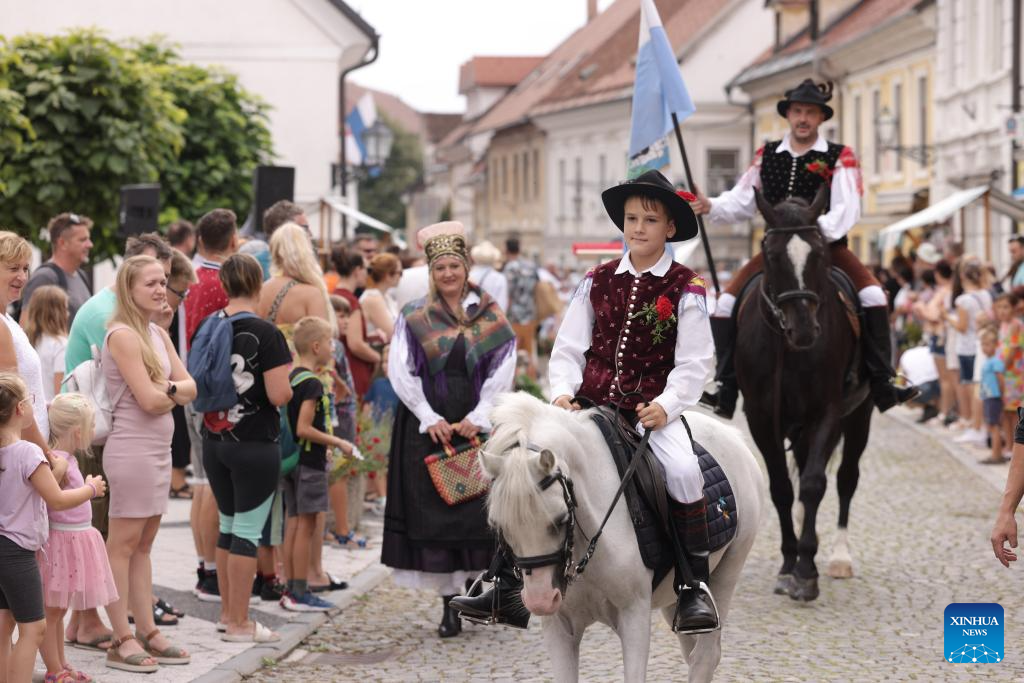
point(664, 307)
point(688, 196)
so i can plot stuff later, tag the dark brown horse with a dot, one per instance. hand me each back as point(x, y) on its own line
point(798, 368)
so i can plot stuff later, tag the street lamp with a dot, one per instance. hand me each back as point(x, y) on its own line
point(888, 126)
point(378, 139)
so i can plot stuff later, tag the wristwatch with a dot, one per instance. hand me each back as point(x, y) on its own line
point(172, 388)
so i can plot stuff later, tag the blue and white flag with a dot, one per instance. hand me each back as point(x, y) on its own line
point(362, 116)
point(659, 90)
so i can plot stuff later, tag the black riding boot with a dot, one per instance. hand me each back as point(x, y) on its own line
point(502, 603)
point(723, 330)
point(450, 623)
point(877, 350)
point(696, 611)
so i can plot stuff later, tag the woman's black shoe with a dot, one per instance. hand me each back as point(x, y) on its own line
point(450, 624)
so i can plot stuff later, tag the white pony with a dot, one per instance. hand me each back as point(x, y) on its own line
point(531, 441)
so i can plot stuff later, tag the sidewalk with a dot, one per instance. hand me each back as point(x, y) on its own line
point(214, 661)
point(967, 455)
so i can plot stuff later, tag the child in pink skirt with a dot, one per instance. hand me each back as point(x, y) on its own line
point(73, 563)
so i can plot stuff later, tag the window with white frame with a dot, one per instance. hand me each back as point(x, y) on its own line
point(876, 143)
point(723, 170)
point(577, 194)
point(857, 142)
point(922, 113)
point(561, 188)
point(897, 112)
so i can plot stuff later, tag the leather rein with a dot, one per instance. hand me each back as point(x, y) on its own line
point(774, 300)
point(563, 557)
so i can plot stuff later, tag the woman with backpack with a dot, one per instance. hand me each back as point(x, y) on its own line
point(145, 374)
point(296, 290)
point(240, 447)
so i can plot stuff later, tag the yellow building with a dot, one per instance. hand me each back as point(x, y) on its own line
point(880, 56)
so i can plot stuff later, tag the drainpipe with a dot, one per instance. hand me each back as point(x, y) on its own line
point(749, 106)
point(1015, 97)
point(375, 46)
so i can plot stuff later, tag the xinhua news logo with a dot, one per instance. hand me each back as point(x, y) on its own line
point(973, 633)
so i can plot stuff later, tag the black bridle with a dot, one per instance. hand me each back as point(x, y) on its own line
point(563, 556)
point(774, 300)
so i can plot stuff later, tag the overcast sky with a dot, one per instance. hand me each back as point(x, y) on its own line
point(423, 42)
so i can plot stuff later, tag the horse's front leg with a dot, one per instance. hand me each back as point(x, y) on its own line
point(819, 444)
point(633, 624)
point(562, 639)
point(781, 487)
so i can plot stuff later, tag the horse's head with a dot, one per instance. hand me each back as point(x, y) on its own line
point(796, 265)
point(532, 507)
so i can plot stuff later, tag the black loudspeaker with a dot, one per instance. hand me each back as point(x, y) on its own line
point(270, 184)
point(140, 209)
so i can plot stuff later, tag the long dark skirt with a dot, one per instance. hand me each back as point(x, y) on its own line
point(421, 531)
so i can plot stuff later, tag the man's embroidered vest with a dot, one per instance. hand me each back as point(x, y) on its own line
point(784, 176)
point(623, 356)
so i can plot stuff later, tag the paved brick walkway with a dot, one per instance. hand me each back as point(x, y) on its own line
point(920, 526)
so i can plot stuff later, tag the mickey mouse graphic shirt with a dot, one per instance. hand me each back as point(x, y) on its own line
point(258, 346)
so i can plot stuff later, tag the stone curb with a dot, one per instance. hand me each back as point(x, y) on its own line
point(295, 631)
point(968, 456)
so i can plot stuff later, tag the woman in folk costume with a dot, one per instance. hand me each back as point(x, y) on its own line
point(452, 353)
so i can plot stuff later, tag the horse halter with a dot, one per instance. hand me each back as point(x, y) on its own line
point(775, 301)
point(562, 556)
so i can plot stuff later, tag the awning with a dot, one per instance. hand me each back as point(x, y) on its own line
point(338, 205)
point(940, 211)
point(597, 248)
point(682, 251)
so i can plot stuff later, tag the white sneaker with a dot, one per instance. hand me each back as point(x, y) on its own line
point(970, 436)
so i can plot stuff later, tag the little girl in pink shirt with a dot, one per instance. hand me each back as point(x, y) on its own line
point(73, 563)
point(27, 487)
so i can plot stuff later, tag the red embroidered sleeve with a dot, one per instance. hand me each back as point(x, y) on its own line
point(849, 160)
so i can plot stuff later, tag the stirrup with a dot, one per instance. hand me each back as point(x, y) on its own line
point(475, 591)
point(702, 587)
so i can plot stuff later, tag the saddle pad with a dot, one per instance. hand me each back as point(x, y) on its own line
point(645, 496)
point(721, 501)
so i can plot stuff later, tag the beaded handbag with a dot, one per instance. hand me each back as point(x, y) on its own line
point(456, 473)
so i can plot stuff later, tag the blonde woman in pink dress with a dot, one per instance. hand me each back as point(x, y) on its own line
point(140, 364)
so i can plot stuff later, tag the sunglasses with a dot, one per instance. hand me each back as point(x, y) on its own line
point(180, 295)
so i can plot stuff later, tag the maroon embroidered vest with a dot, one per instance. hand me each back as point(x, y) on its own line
point(623, 355)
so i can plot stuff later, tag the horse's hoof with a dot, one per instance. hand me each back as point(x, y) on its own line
point(784, 584)
point(840, 569)
point(804, 590)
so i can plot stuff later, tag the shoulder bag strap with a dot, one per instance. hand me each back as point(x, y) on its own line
point(272, 315)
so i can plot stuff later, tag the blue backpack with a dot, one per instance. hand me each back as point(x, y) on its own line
point(209, 362)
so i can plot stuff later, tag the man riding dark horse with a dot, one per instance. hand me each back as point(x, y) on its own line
point(796, 166)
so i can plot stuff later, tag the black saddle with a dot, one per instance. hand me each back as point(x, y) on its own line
point(647, 499)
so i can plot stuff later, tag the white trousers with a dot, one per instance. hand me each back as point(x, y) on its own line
point(872, 295)
point(671, 446)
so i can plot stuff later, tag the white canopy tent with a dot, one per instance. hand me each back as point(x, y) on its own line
point(331, 205)
point(943, 210)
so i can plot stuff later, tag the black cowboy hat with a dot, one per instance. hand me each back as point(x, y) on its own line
point(652, 184)
point(808, 92)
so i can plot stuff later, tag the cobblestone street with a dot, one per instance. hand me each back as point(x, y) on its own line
point(919, 535)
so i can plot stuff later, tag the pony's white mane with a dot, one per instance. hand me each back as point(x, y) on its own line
point(523, 425)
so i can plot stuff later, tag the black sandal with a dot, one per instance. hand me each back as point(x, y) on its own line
point(161, 617)
point(182, 493)
point(169, 608)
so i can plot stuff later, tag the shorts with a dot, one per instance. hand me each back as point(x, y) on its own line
point(305, 491)
point(194, 421)
point(936, 345)
point(929, 392)
point(992, 410)
point(21, 586)
point(525, 334)
point(966, 369)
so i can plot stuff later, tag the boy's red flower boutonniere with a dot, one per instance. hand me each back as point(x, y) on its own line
point(686, 196)
point(660, 314)
point(820, 168)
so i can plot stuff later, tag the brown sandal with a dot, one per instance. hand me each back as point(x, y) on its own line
point(132, 663)
point(169, 655)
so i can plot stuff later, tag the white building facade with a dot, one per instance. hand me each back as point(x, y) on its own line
point(587, 144)
point(290, 53)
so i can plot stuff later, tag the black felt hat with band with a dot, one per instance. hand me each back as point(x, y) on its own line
point(653, 184)
point(808, 92)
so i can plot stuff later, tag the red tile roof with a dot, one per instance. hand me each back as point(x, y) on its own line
point(597, 62)
point(501, 72)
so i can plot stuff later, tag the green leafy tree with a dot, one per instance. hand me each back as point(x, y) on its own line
point(93, 117)
point(226, 135)
point(381, 197)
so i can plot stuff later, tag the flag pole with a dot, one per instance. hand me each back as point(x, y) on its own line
point(700, 218)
